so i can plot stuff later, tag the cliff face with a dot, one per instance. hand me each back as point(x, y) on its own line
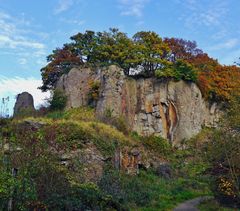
point(173, 110)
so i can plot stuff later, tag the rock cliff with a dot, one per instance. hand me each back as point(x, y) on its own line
point(173, 110)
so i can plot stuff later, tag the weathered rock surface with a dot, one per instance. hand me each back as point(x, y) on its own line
point(23, 103)
point(173, 110)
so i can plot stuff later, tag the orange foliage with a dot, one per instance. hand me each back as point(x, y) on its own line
point(62, 60)
point(220, 83)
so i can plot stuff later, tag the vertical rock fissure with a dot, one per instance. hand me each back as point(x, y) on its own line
point(173, 120)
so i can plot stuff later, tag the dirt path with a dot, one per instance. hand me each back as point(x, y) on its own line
point(191, 205)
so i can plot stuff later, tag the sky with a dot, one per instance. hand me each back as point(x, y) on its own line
point(31, 29)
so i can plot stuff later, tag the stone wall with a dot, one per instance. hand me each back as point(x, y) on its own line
point(173, 110)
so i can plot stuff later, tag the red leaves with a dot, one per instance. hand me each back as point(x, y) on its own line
point(222, 81)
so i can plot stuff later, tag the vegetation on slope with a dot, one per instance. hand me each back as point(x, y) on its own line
point(43, 183)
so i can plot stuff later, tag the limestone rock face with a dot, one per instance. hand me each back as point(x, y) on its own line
point(23, 103)
point(173, 110)
point(76, 85)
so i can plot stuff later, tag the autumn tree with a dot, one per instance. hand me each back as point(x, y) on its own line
point(59, 62)
point(182, 49)
point(220, 83)
point(145, 54)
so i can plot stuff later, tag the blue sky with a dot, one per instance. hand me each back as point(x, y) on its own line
point(30, 30)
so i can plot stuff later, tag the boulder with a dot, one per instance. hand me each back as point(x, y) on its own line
point(164, 170)
point(24, 103)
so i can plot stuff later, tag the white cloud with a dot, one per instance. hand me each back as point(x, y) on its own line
point(13, 86)
point(8, 42)
point(132, 7)
point(63, 5)
point(73, 21)
point(15, 37)
point(199, 14)
point(22, 61)
point(228, 44)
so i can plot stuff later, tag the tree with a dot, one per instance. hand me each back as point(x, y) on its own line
point(223, 153)
point(180, 70)
point(115, 48)
point(84, 46)
point(151, 51)
point(58, 101)
point(59, 62)
point(182, 49)
point(220, 83)
point(203, 62)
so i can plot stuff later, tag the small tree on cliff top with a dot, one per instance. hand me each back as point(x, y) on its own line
point(59, 62)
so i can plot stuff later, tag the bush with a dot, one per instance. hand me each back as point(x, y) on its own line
point(42, 182)
point(93, 94)
point(223, 155)
point(180, 70)
point(118, 122)
point(157, 144)
point(58, 100)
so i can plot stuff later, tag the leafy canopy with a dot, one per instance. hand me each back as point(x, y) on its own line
point(145, 54)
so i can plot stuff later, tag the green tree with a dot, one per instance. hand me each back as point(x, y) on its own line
point(180, 70)
point(58, 100)
point(224, 153)
point(151, 51)
point(84, 45)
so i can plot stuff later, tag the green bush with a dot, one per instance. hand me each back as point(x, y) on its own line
point(180, 70)
point(42, 182)
point(58, 100)
point(157, 144)
point(223, 153)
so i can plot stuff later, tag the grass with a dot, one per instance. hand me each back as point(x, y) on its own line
point(147, 191)
point(73, 128)
point(69, 133)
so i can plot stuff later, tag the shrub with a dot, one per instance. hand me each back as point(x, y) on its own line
point(119, 122)
point(157, 144)
point(42, 182)
point(223, 154)
point(58, 100)
point(180, 70)
point(93, 94)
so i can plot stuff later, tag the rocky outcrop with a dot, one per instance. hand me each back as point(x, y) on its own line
point(23, 103)
point(173, 110)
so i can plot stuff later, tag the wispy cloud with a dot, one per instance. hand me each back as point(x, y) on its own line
point(200, 14)
point(8, 42)
point(228, 44)
point(22, 61)
point(78, 22)
point(13, 86)
point(132, 7)
point(63, 5)
point(15, 37)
